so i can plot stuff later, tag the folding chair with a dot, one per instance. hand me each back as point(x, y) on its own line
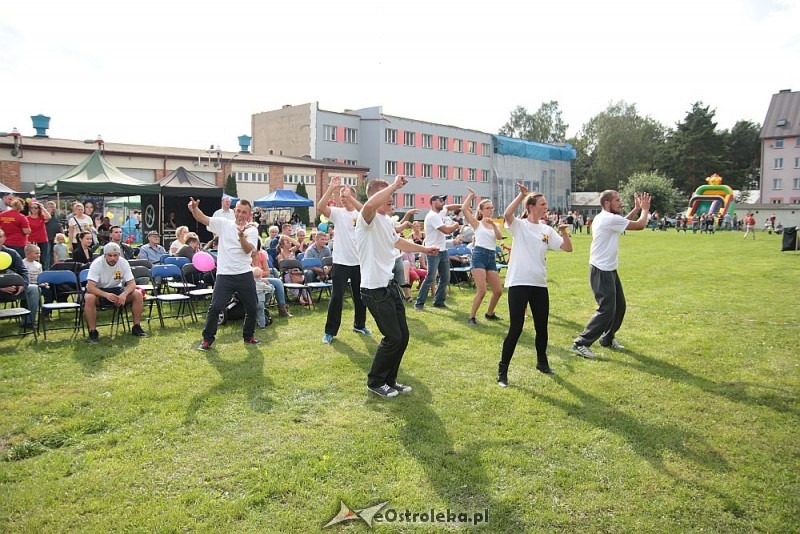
point(320, 286)
point(119, 314)
point(286, 266)
point(16, 312)
point(164, 272)
point(462, 274)
point(180, 285)
point(190, 272)
point(501, 258)
point(140, 263)
point(56, 282)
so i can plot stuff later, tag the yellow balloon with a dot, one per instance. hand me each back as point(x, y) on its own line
point(5, 261)
point(322, 218)
point(110, 215)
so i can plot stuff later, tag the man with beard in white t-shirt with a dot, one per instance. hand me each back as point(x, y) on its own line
point(345, 259)
point(607, 226)
point(376, 241)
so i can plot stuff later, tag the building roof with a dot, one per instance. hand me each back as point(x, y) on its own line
point(783, 115)
point(531, 150)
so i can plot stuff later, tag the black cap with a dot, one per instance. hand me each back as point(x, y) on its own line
point(439, 197)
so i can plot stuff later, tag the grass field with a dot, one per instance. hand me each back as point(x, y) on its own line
point(694, 427)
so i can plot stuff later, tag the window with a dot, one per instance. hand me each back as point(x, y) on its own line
point(443, 143)
point(778, 163)
point(298, 178)
point(458, 174)
point(796, 201)
point(797, 183)
point(329, 132)
point(776, 201)
point(777, 183)
point(484, 175)
point(409, 138)
point(390, 136)
point(779, 143)
point(253, 177)
point(351, 162)
point(472, 147)
point(441, 172)
point(408, 200)
point(458, 199)
point(350, 135)
point(328, 159)
point(427, 170)
point(458, 145)
point(797, 142)
point(350, 180)
point(797, 163)
point(408, 168)
point(486, 150)
point(427, 141)
point(472, 175)
point(391, 168)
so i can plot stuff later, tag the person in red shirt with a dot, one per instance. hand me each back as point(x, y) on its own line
point(16, 227)
point(37, 217)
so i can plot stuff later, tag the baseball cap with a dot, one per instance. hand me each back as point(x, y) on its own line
point(152, 232)
point(438, 197)
point(111, 248)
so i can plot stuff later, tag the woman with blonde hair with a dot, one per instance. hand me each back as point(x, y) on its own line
point(180, 234)
point(78, 223)
point(484, 264)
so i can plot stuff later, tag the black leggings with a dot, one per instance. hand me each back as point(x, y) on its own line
point(519, 297)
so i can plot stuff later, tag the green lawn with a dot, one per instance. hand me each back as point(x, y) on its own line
point(694, 427)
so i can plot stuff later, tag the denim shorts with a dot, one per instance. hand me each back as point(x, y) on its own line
point(483, 258)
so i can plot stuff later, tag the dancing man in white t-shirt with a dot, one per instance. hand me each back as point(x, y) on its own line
point(603, 260)
point(376, 240)
point(345, 259)
point(436, 230)
point(237, 241)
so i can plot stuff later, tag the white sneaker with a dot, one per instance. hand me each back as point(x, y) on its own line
point(615, 345)
point(384, 391)
point(584, 351)
point(401, 388)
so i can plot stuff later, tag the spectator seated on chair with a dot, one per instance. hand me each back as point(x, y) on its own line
point(13, 293)
point(111, 282)
point(152, 250)
point(319, 250)
point(115, 236)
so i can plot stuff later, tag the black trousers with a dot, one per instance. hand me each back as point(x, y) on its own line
point(519, 298)
point(244, 285)
point(388, 309)
point(611, 306)
point(340, 274)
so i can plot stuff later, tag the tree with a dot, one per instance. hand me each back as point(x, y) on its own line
point(665, 197)
point(544, 126)
point(615, 144)
point(302, 211)
point(230, 186)
point(695, 150)
point(743, 155)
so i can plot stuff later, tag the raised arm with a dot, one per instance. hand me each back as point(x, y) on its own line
point(466, 209)
point(322, 204)
point(348, 194)
point(199, 216)
point(508, 215)
point(380, 198)
point(642, 202)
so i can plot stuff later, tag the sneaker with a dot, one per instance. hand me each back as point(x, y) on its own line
point(614, 345)
point(401, 388)
point(252, 341)
point(205, 346)
point(363, 331)
point(492, 317)
point(502, 380)
point(472, 321)
point(584, 351)
point(137, 331)
point(545, 369)
point(94, 336)
point(442, 305)
point(384, 391)
point(327, 338)
point(419, 307)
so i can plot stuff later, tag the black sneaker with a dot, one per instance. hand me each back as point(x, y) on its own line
point(94, 336)
point(442, 305)
point(137, 331)
point(502, 380)
point(472, 321)
point(544, 369)
point(419, 307)
point(401, 388)
point(384, 391)
point(252, 341)
point(205, 346)
point(492, 317)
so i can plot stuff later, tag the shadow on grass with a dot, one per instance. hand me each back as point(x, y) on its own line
point(247, 375)
point(780, 400)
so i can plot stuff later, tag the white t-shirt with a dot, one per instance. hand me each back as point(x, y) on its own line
point(231, 259)
point(375, 243)
point(34, 270)
point(606, 229)
point(107, 276)
point(433, 236)
point(225, 214)
point(527, 266)
point(174, 247)
point(485, 238)
point(82, 224)
point(345, 252)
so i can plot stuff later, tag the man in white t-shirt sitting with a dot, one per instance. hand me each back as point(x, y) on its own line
point(436, 231)
point(607, 226)
point(111, 282)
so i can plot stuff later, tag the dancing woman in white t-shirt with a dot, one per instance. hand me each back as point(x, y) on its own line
point(526, 279)
point(484, 264)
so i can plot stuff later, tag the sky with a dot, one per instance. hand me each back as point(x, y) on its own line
point(191, 74)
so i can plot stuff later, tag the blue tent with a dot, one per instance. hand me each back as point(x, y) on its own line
point(282, 198)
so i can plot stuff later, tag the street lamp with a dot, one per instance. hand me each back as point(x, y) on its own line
point(101, 145)
point(17, 150)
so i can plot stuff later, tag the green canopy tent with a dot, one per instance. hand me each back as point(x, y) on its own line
point(96, 176)
point(132, 202)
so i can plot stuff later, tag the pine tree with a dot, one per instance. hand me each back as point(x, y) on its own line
point(230, 186)
point(302, 211)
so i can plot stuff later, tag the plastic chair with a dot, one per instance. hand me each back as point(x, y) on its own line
point(16, 312)
point(170, 271)
point(319, 286)
point(286, 266)
point(118, 313)
point(56, 281)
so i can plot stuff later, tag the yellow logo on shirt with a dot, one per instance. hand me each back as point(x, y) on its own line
point(117, 275)
point(546, 238)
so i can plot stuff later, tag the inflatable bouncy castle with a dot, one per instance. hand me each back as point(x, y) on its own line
point(714, 199)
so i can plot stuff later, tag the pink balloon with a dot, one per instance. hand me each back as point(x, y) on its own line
point(203, 261)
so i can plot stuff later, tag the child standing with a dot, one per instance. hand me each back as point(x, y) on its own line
point(262, 290)
point(60, 252)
